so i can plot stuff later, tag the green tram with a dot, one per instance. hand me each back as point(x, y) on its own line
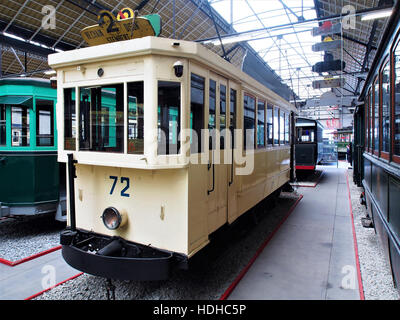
point(31, 180)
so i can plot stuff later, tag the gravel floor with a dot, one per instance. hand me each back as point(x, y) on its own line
point(375, 270)
point(23, 237)
point(211, 271)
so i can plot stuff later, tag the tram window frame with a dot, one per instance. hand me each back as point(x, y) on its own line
point(3, 125)
point(385, 138)
point(223, 108)
point(96, 136)
point(47, 107)
point(395, 153)
point(251, 123)
point(70, 120)
point(25, 114)
point(261, 108)
point(270, 125)
point(172, 143)
point(135, 117)
point(376, 117)
point(276, 126)
point(197, 114)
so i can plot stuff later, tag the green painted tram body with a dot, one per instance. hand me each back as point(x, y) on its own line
point(29, 171)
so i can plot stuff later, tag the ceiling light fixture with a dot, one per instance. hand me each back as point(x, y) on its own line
point(377, 14)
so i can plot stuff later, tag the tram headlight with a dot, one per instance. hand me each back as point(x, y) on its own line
point(112, 218)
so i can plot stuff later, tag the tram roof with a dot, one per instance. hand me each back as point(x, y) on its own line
point(162, 46)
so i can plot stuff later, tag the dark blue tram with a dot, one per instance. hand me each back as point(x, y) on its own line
point(377, 143)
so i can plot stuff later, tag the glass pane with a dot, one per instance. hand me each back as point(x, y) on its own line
point(249, 122)
point(196, 112)
point(386, 108)
point(2, 125)
point(287, 128)
point(69, 119)
point(396, 150)
point(269, 124)
point(276, 125)
point(20, 135)
point(169, 117)
point(102, 119)
point(282, 127)
point(261, 124)
point(376, 118)
point(233, 109)
point(44, 123)
point(370, 136)
point(135, 118)
point(212, 108)
point(222, 113)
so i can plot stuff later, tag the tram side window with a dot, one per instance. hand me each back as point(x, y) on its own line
point(370, 125)
point(249, 119)
point(282, 127)
point(386, 108)
point(376, 118)
point(276, 126)
point(232, 111)
point(196, 112)
point(287, 128)
point(396, 133)
point(2, 125)
point(169, 117)
point(222, 114)
point(20, 126)
point(102, 119)
point(135, 117)
point(211, 113)
point(69, 119)
point(261, 124)
point(269, 124)
point(44, 123)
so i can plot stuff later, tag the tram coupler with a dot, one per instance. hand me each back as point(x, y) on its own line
point(112, 249)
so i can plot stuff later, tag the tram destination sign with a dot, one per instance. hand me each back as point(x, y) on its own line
point(123, 27)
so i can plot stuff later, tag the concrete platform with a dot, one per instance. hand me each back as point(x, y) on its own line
point(312, 256)
point(26, 279)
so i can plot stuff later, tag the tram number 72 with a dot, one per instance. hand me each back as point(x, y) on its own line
point(123, 180)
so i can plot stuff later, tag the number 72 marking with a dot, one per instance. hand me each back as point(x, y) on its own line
point(123, 191)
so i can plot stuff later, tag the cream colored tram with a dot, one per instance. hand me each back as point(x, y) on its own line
point(143, 195)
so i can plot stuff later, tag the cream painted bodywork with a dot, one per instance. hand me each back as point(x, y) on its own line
point(168, 205)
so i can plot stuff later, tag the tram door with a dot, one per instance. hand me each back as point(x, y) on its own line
point(218, 120)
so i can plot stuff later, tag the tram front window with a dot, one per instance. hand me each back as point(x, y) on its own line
point(44, 123)
point(2, 125)
point(135, 118)
point(101, 118)
point(20, 126)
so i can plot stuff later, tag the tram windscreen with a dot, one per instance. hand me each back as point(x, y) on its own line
point(135, 118)
point(101, 117)
point(169, 117)
point(44, 123)
point(20, 126)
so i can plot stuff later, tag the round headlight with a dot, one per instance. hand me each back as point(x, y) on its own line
point(111, 218)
